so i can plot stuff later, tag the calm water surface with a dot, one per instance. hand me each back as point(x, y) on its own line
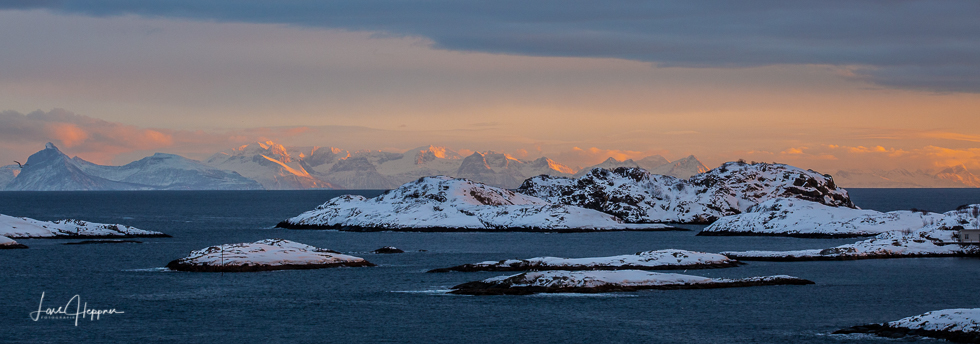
point(399, 302)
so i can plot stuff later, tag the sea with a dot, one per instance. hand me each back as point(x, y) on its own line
point(398, 302)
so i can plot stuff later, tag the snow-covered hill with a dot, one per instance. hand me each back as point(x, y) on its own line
point(447, 204)
point(269, 164)
point(800, 218)
point(636, 195)
point(52, 170)
point(936, 238)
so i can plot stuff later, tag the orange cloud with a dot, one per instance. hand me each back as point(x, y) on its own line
point(68, 134)
point(831, 158)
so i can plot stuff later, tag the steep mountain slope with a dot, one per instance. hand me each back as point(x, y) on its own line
point(639, 196)
point(960, 175)
point(269, 164)
point(7, 174)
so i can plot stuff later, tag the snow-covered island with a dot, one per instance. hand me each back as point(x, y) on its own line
point(800, 218)
point(7, 243)
point(22, 227)
point(647, 260)
point(961, 325)
point(263, 255)
point(637, 196)
point(608, 281)
point(938, 238)
point(442, 203)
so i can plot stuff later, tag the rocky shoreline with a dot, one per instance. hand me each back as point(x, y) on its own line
point(849, 257)
point(883, 330)
point(264, 255)
point(176, 265)
point(608, 281)
point(791, 235)
point(438, 229)
point(670, 259)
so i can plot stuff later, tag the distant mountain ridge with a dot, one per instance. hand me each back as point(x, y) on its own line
point(268, 165)
point(950, 177)
point(52, 170)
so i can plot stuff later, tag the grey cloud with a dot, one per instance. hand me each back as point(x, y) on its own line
point(927, 45)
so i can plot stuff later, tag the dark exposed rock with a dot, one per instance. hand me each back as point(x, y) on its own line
point(505, 288)
point(388, 249)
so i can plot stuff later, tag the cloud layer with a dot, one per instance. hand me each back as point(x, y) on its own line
point(922, 45)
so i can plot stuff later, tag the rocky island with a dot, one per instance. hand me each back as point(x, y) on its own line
point(638, 196)
point(608, 281)
point(647, 260)
point(956, 325)
point(22, 227)
point(263, 255)
point(938, 238)
point(444, 204)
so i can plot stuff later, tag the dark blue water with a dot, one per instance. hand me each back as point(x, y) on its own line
point(399, 302)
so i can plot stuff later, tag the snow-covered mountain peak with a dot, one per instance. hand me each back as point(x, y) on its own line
point(50, 145)
point(270, 164)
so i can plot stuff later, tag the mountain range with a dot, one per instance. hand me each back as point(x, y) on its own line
point(950, 177)
point(271, 166)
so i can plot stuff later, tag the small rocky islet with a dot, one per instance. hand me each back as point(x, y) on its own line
point(960, 325)
point(608, 281)
point(264, 255)
point(648, 260)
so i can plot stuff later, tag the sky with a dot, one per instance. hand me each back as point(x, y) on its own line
point(829, 85)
